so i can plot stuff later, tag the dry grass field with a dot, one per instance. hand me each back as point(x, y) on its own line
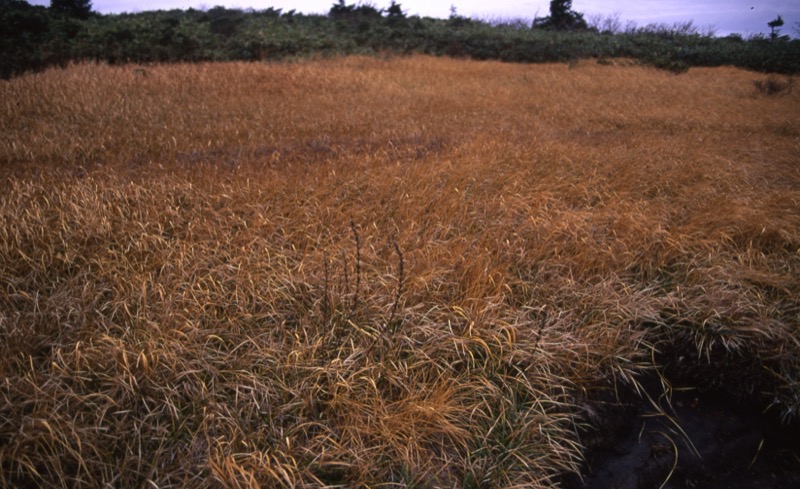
point(404, 272)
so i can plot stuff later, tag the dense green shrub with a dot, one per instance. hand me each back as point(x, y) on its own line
point(24, 29)
point(32, 38)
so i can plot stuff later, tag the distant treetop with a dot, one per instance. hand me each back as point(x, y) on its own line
point(561, 18)
point(81, 9)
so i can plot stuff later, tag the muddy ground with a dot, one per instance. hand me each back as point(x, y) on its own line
point(689, 437)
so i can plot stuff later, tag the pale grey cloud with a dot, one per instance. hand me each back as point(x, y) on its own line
point(744, 16)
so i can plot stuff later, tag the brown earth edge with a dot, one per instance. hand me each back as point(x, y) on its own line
point(708, 434)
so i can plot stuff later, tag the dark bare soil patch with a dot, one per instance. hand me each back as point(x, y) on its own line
point(698, 434)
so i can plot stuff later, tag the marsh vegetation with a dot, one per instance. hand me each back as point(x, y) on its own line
point(387, 272)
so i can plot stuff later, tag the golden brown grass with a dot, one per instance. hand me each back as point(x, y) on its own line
point(200, 269)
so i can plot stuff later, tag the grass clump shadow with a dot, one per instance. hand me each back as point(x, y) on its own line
point(774, 86)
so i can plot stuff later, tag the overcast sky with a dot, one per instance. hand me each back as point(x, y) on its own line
point(726, 16)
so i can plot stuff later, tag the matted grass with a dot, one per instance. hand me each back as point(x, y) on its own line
point(388, 273)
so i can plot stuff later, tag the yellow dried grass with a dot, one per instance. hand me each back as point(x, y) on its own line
point(179, 301)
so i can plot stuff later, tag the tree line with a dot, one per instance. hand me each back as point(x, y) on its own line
point(36, 37)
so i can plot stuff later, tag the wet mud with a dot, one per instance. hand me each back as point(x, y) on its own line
point(688, 437)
